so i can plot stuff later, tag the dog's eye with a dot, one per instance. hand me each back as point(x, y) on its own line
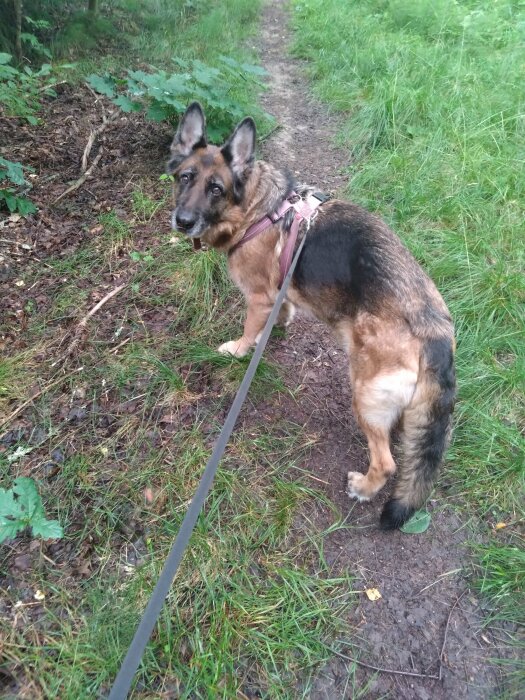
point(185, 178)
point(216, 190)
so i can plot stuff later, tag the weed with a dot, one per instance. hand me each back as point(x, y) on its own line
point(144, 207)
point(21, 507)
point(21, 90)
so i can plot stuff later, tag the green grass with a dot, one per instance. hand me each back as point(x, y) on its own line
point(432, 110)
point(434, 129)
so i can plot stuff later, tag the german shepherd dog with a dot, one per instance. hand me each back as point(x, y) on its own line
point(353, 274)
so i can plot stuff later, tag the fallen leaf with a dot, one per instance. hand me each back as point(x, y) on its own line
point(20, 283)
point(500, 526)
point(39, 595)
point(373, 594)
point(418, 523)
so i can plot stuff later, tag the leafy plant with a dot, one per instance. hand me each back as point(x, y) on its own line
point(21, 507)
point(165, 96)
point(14, 174)
point(21, 90)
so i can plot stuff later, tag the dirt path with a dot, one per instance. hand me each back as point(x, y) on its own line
point(427, 609)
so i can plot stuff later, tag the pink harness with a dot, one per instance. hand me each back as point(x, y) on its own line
point(304, 208)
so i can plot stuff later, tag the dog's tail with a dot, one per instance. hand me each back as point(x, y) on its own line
point(426, 427)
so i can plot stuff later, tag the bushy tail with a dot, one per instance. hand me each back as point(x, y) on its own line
point(426, 426)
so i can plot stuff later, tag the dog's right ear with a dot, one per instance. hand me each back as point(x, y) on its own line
point(190, 135)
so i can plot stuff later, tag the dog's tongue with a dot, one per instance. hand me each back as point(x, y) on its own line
point(197, 245)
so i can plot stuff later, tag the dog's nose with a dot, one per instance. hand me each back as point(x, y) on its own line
point(185, 220)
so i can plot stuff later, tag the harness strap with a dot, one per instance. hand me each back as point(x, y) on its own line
point(304, 208)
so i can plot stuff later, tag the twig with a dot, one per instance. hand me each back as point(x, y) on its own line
point(92, 136)
point(446, 633)
point(82, 179)
point(270, 133)
point(385, 670)
point(117, 347)
point(37, 395)
point(81, 326)
point(100, 304)
point(49, 87)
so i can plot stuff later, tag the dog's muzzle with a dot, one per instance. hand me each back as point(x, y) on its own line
point(187, 223)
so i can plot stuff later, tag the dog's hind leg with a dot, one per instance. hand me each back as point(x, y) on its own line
point(378, 404)
point(286, 314)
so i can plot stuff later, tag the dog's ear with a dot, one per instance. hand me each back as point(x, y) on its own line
point(190, 135)
point(239, 149)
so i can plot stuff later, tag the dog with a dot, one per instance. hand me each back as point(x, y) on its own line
point(355, 275)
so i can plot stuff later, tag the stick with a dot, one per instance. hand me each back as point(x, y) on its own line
point(100, 304)
point(37, 395)
point(446, 633)
point(385, 670)
point(91, 140)
point(77, 334)
point(82, 179)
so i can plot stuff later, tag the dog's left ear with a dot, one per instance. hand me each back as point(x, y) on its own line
point(239, 149)
point(190, 135)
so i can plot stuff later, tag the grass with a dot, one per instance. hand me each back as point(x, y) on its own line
point(433, 123)
point(254, 608)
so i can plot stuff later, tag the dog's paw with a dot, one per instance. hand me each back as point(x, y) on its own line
point(356, 486)
point(234, 348)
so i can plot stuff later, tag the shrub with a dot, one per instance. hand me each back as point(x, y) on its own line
point(165, 96)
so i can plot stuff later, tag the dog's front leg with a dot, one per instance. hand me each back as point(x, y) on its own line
point(259, 308)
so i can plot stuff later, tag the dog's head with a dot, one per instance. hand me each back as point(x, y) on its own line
point(209, 181)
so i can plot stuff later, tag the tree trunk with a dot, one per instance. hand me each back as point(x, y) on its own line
point(93, 6)
point(18, 30)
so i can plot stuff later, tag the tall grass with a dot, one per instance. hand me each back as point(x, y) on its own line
point(434, 126)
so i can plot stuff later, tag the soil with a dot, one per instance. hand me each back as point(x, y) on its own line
point(428, 621)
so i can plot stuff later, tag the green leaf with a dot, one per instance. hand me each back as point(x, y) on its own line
point(25, 206)
point(5, 58)
point(127, 105)
point(105, 86)
point(22, 506)
point(13, 171)
point(418, 523)
point(157, 111)
point(47, 529)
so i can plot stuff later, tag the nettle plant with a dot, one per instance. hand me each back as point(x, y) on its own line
point(13, 185)
point(165, 96)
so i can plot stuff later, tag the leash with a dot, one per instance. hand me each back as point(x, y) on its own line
point(122, 683)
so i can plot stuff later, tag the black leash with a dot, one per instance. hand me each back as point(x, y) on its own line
point(131, 662)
